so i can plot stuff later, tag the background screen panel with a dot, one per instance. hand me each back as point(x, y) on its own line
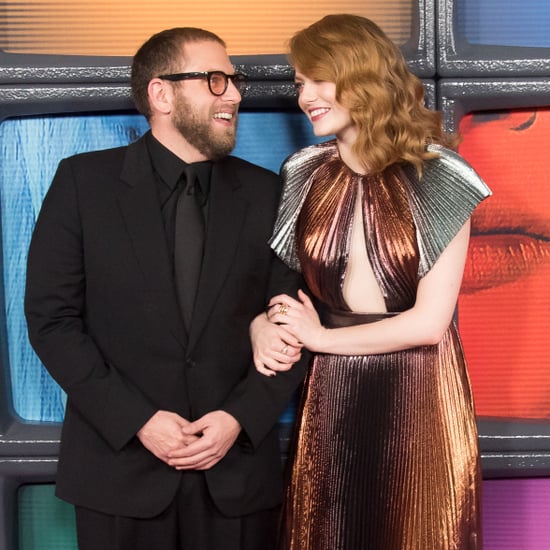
point(493, 38)
point(504, 22)
point(44, 521)
point(118, 28)
point(503, 308)
point(30, 149)
point(41, 41)
point(515, 514)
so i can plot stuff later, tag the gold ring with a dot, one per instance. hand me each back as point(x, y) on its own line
point(283, 309)
point(285, 349)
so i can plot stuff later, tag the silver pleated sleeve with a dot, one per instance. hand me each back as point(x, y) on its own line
point(296, 173)
point(441, 201)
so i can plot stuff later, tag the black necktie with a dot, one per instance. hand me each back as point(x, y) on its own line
point(188, 243)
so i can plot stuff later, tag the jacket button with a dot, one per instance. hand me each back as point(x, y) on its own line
point(189, 363)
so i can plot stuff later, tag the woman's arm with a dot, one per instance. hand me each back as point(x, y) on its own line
point(424, 324)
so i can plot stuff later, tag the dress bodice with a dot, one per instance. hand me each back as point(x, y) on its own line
point(408, 220)
point(324, 230)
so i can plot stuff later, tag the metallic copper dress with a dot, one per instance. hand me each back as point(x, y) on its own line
point(385, 453)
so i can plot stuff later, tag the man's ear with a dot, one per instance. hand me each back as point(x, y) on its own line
point(160, 93)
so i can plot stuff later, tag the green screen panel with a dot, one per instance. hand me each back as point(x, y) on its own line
point(44, 521)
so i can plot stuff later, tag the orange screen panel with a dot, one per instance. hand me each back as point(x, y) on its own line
point(504, 307)
point(119, 27)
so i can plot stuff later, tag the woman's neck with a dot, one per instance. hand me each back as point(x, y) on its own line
point(349, 158)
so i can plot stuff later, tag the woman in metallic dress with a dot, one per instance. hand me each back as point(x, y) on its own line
point(385, 454)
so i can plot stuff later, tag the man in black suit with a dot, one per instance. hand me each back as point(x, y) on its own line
point(170, 435)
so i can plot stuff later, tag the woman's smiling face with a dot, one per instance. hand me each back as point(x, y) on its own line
point(317, 99)
point(504, 306)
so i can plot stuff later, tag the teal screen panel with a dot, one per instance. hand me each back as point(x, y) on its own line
point(44, 521)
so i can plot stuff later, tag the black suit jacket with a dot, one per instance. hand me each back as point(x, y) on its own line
point(103, 317)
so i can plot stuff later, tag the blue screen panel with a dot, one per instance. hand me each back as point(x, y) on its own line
point(504, 22)
point(30, 149)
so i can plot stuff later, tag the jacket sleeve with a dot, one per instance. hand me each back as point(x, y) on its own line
point(55, 309)
point(258, 401)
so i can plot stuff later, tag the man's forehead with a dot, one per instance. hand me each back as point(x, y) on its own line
point(206, 55)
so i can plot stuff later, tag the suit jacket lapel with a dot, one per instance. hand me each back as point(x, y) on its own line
point(225, 222)
point(138, 198)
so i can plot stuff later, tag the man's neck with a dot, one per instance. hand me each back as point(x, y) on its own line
point(176, 143)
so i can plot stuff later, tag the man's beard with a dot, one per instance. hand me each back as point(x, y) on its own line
point(200, 134)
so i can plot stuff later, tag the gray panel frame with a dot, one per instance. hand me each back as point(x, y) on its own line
point(458, 96)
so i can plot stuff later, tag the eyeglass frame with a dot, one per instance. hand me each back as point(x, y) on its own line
point(240, 84)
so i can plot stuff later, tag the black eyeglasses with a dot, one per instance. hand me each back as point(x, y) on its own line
point(217, 80)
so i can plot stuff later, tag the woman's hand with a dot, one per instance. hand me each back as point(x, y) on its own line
point(274, 348)
point(299, 318)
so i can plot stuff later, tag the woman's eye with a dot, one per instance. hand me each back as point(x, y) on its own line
point(298, 86)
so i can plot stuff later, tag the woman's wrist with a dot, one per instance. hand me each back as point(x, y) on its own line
point(323, 341)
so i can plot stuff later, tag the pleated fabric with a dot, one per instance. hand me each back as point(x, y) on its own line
point(385, 453)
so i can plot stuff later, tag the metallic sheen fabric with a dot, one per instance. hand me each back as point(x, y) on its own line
point(441, 201)
point(385, 452)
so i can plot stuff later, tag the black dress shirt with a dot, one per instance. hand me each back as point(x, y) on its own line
point(168, 169)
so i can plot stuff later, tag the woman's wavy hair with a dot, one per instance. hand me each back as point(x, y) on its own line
point(385, 100)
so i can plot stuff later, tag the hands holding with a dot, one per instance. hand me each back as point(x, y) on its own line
point(292, 324)
point(274, 348)
point(214, 433)
point(188, 445)
point(299, 318)
point(163, 433)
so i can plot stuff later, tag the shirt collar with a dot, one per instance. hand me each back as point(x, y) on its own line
point(167, 165)
point(170, 167)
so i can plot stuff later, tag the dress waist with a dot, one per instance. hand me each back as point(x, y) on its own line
point(333, 318)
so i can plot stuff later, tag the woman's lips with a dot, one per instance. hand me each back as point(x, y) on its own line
point(504, 246)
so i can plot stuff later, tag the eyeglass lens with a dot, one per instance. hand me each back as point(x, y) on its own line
point(218, 82)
